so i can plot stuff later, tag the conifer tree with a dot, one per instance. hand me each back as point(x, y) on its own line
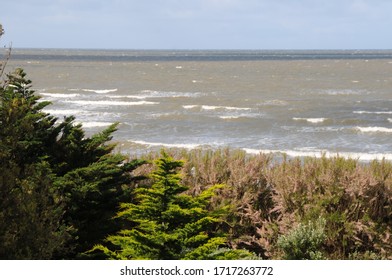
point(58, 188)
point(30, 206)
point(166, 223)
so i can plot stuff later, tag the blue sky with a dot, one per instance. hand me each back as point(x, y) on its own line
point(198, 24)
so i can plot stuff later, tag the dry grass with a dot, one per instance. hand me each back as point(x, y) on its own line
point(268, 199)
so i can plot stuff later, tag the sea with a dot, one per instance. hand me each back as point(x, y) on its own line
point(298, 103)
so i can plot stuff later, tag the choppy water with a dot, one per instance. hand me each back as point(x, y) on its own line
point(298, 102)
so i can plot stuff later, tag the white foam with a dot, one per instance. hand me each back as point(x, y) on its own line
point(324, 153)
point(110, 103)
point(236, 108)
point(167, 94)
point(229, 117)
point(209, 107)
point(373, 129)
point(62, 112)
point(390, 120)
point(158, 94)
point(274, 102)
point(344, 91)
point(190, 106)
point(60, 95)
point(377, 112)
point(157, 144)
point(245, 115)
point(291, 153)
point(128, 96)
point(99, 90)
point(311, 120)
point(95, 124)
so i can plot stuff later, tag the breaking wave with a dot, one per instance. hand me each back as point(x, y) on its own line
point(60, 95)
point(374, 129)
point(110, 103)
point(62, 112)
point(311, 120)
point(95, 124)
point(157, 144)
point(101, 91)
point(322, 153)
point(377, 112)
point(211, 108)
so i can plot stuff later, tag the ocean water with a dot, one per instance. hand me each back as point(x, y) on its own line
point(302, 103)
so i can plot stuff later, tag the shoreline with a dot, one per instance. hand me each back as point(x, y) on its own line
point(143, 147)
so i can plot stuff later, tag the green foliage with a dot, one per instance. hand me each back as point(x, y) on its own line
point(58, 188)
point(304, 242)
point(24, 127)
point(30, 213)
point(166, 223)
point(31, 207)
point(268, 198)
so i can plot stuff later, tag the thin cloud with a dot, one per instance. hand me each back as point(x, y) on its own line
point(207, 24)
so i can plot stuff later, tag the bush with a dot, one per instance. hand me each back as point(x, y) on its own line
point(304, 242)
point(166, 223)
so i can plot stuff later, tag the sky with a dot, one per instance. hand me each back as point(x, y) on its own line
point(197, 24)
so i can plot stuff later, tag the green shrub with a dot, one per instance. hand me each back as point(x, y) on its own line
point(166, 223)
point(304, 242)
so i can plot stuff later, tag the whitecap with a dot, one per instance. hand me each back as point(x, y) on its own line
point(62, 112)
point(343, 91)
point(229, 117)
point(374, 129)
point(158, 144)
point(99, 90)
point(189, 106)
point(60, 95)
point(110, 103)
point(127, 96)
point(168, 94)
point(376, 112)
point(209, 107)
point(95, 124)
point(236, 108)
point(238, 116)
point(390, 120)
point(274, 102)
point(311, 120)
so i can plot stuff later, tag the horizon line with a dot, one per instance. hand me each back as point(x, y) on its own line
point(199, 49)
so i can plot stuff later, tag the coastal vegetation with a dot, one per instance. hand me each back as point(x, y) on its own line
point(66, 195)
point(298, 208)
